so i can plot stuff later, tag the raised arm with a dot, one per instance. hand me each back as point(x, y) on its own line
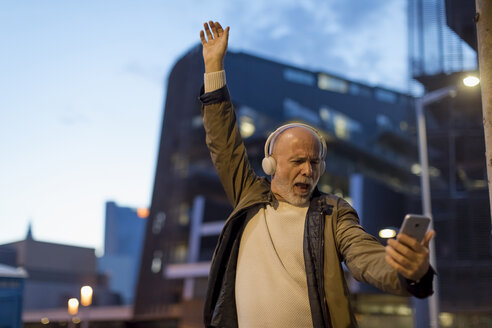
point(214, 46)
point(219, 119)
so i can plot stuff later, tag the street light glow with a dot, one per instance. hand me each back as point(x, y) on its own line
point(387, 233)
point(73, 306)
point(86, 295)
point(471, 81)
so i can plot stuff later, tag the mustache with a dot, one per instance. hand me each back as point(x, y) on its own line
point(305, 181)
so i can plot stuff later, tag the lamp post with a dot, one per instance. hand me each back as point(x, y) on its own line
point(86, 301)
point(427, 310)
point(73, 308)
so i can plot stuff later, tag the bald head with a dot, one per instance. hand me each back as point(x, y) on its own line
point(297, 152)
point(293, 137)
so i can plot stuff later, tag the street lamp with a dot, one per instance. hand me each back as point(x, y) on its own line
point(73, 308)
point(86, 295)
point(388, 233)
point(427, 310)
point(86, 301)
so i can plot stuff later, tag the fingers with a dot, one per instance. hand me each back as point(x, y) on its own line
point(428, 236)
point(411, 263)
point(405, 245)
point(202, 38)
point(213, 30)
point(219, 29)
point(400, 253)
point(398, 267)
point(207, 30)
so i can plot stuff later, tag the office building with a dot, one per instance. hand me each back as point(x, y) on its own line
point(372, 161)
point(443, 50)
point(123, 238)
point(55, 273)
point(11, 290)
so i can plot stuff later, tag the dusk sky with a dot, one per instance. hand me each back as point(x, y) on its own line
point(82, 88)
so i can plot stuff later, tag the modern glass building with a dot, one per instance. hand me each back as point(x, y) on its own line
point(372, 161)
point(442, 51)
point(123, 239)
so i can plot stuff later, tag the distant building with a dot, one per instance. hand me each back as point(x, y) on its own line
point(372, 161)
point(55, 273)
point(443, 51)
point(123, 239)
point(11, 290)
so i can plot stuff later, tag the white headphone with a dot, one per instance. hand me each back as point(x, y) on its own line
point(269, 165)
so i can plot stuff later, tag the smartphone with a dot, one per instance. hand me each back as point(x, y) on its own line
point(415, 226)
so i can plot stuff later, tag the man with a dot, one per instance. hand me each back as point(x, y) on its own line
point(277, 261)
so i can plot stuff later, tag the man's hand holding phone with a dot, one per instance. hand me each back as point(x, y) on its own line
point(407, 255)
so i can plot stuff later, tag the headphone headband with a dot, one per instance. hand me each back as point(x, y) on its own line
point(273, 136)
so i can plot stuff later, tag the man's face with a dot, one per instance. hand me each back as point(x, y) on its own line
point(297, 153)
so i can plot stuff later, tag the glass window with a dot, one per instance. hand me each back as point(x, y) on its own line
point(158, 222)
point(331, 83)
point(297, 76)
point(156, 262)
point(386, 96)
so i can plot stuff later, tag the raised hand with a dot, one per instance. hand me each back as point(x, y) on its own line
point(214, 46)
point(409, 257)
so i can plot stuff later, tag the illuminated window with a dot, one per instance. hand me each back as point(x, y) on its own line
point(158, 222)
point(297, 76)
point(331, 83)
point(341, 124)
point(180, 253)
point(156, 262)
point(184, 215)
point(246, 126)
point(341, 127)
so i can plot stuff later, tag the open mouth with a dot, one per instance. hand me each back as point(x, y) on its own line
point(304, 187)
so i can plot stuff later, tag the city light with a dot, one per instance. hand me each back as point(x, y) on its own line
point(246, 126)
point(471, 81)
point(73, 306)
point(143, 212)
point(86, 295)
point(45, 321)
point(387, 233)
point(416, 169)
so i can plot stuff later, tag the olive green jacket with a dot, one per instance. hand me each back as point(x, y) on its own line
point(344, 239)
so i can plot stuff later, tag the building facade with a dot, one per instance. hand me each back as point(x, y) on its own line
point(460, 201)
point(55, 273)
point(11, 291)
point(123, 239)
point(371, 161)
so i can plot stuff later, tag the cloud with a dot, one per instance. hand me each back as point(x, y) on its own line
point(360, 40)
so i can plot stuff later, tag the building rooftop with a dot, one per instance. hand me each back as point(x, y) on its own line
point(11, 272)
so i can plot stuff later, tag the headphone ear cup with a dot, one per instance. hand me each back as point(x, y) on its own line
point(269, 165)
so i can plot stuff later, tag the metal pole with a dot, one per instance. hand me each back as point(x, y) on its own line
point(484, 35)
point(426, 310)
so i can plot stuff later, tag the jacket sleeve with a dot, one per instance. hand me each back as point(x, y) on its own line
point(364, 256)
point(226, 145)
